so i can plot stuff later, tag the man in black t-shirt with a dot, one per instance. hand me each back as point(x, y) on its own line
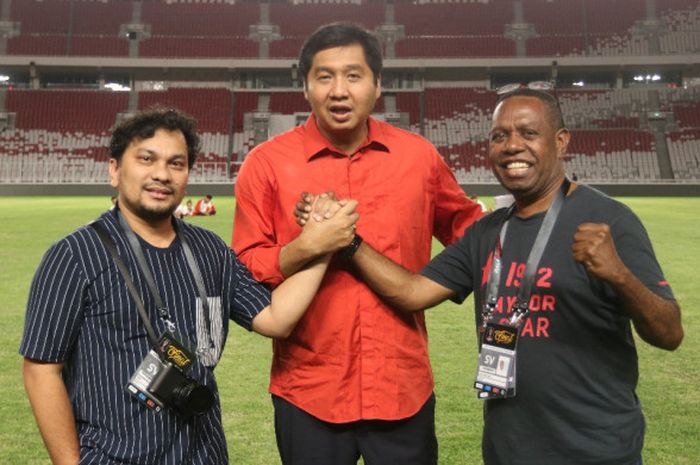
point(576, 359)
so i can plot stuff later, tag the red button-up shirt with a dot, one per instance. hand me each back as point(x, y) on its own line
point(351, 357)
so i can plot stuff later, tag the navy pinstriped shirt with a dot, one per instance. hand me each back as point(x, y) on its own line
point(80, 313)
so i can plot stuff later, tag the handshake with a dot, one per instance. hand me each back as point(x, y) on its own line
point(328, 223)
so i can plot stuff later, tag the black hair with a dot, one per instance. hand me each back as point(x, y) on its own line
point(338, 35)
point(144, 124)
point(556, 119)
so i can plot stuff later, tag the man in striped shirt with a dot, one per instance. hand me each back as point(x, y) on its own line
point(84, 338)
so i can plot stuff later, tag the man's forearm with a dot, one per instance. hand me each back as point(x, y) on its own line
point(396, 285)
point(296, 255)
point(52, 410)
point(291, 299)
point(657, 320)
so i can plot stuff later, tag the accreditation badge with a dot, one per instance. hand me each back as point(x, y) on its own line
point(496, 374)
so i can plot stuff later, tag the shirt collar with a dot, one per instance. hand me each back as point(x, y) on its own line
point(316, 144)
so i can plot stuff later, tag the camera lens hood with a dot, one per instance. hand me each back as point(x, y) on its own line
point(193, 399)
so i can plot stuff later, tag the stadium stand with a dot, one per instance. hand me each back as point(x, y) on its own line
point(213, 110)
point(199, 47)
point(46, 145)
point(614, 138)
point(200, 20)
point(222, 28)
point(455, 46)
point(298, 20)
point(454, 19)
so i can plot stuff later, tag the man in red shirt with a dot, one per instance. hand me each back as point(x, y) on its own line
point(354, 378)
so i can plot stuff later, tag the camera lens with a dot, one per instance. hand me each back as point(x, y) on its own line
point(193, 398)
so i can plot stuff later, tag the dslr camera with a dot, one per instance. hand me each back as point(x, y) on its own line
point(161, 381)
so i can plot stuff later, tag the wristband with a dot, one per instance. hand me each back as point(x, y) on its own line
point(348, 251)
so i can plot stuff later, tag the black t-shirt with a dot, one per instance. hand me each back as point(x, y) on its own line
point(577, 363)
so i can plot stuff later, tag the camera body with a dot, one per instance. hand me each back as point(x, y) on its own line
point(160, 381)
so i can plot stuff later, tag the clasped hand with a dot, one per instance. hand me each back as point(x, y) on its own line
point(334, 225)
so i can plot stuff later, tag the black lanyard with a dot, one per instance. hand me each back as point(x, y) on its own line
point(162, 311)
point(520, 308)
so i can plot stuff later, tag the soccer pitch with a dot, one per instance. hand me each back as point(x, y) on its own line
point(668, 386)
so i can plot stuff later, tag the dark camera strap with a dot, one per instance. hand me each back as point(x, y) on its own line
point(148, 276)
point(112, 249)
point(525, 290)
point(191, 262)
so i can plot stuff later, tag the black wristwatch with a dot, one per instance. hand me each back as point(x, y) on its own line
point(349, 250)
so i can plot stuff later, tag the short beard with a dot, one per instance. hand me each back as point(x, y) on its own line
point(151, 215)
point(154, 215)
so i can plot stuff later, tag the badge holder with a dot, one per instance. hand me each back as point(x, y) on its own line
point(496, 372)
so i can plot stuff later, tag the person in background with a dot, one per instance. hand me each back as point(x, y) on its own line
point(205, 207)
point(184, 209)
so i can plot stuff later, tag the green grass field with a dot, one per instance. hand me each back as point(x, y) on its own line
point(668, 385)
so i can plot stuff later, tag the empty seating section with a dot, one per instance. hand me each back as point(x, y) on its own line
point(456, 46)
point(200, 20)
point(612, 16)
point(466, 19)
point(43, 17)
point(68, 45)
point(59, 135)
point(472, 104)
point(558, 17)
point(66, 110)
point(301, 19)
point(244, 102)
point(100, 18)
point(687, 114)
point(212, 108)
point(684, 143)
point(198, 47)
point(287, 47)
point(618, 108)
point(616, 45)
point(243, 140)
point(684, 151)
point(556, 46)
point(288, 102)
point(454, 29)
point(37, 45)
point(98, 46)
point(379, 105)
point(297, 20)
point(66, 131)
point(220, 29)
point(409, 102)
point(212, 30)
point(612, 155)
point(457, 121)
point(682, 21)
point(684, 104)
point(607, 142)
point(62, 27)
